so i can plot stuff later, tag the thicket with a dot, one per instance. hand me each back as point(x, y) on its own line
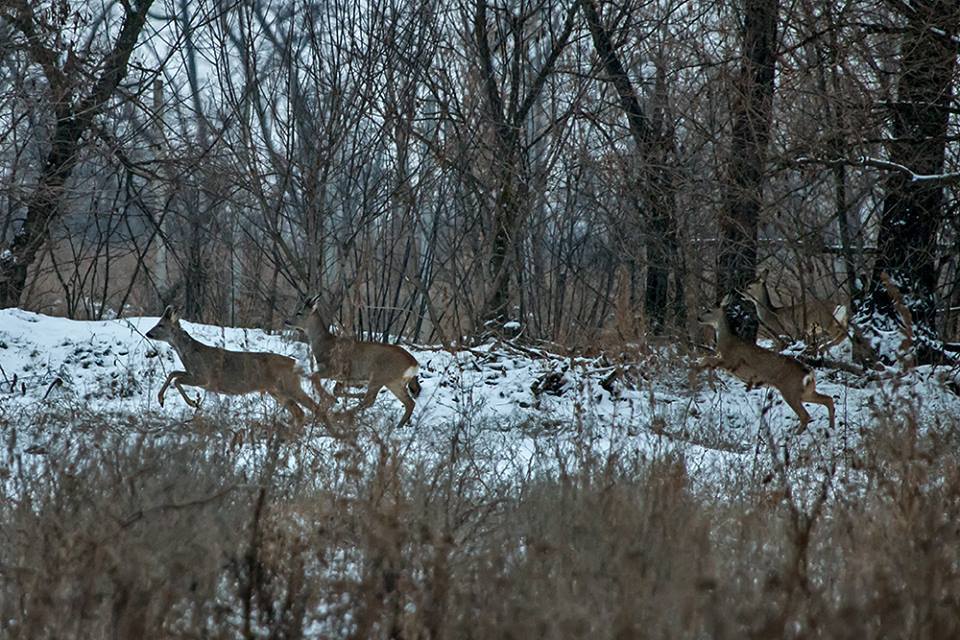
point(137, 529)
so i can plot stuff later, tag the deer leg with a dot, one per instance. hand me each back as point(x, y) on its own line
point(810, 394)
point(170, 378)
point(178, 378)
point(340, 391)
point(839, 335)
point(413, 386)
point(316, 409)
point(797, 405)
point(299, 396)
point(709, 364)
point(293, 397)
point(399, 389)
point(368, 398)
point(188, 380)
point(283, 398)
point(294, 410)
point(326, 399)
point(825, 400)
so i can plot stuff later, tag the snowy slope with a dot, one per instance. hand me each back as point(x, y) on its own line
point(523, 400)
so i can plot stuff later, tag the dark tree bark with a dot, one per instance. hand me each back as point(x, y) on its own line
point(752, 110)
point(830, 55)
point(913, 208)
point(195, 221)
point(73, 119)
point(655, 182)
point(507, 117)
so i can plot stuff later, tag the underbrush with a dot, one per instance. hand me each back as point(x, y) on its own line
point(130, 528)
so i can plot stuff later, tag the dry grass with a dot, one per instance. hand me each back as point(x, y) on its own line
point(139, 530)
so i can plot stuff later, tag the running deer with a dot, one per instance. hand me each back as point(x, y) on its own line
point(758, 367)
point(814, 321)
point(230, 372)
point(354, 363)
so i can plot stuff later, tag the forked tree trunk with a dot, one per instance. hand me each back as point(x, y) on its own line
point(510, 206)
point(508, 115)
point(73, 120)
point(753, 105)
point(656, 202)
point(913, 209)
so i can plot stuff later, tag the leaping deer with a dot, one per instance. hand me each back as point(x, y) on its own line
point(813, 321)
point(230, 372)
point(358, 363)
point(757, 367)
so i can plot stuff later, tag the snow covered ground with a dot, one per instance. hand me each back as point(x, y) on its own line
point(517, 400)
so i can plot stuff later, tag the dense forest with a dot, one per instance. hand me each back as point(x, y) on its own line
point(585, 169)
point(543, 206)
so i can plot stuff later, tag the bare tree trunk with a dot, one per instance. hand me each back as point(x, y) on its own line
point(195, 272)
point(753, 106)
point(838, 144)
point(73, 119)
point(655, 184)
point(913, 209)
point(507, 117)
point(165, 193)
point(509, 209)
point(506, 207)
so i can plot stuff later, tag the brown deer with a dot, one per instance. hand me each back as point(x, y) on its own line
point(354, 363)
point(230, 372)
point(758, 367)
point(821, 323)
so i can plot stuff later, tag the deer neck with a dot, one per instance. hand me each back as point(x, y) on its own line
point(182, 342)
point(319, 333)
point(766, 300)
point(726, 340)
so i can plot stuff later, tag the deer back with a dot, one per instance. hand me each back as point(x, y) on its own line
point(756, 365)
point(359, 361)
point(798, 319)
point(222, 370)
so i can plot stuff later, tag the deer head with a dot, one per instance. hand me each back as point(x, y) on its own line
point(308, 312)
point(167, 327)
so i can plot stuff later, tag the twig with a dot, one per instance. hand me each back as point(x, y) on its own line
point(886, 165)
point(174, 506)
point(58, 381)
point(820, 361)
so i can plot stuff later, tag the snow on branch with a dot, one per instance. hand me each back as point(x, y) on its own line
point(886, 165)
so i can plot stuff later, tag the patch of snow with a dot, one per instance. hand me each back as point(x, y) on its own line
point(520, 403)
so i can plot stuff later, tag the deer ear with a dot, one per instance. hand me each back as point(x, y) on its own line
point(315, 302)
point(174, 315)
point(776, 299)
point(167, 312)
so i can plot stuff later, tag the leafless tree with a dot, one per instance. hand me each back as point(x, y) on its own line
point(752, 111)
point(438, 169)
point(72, 103)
